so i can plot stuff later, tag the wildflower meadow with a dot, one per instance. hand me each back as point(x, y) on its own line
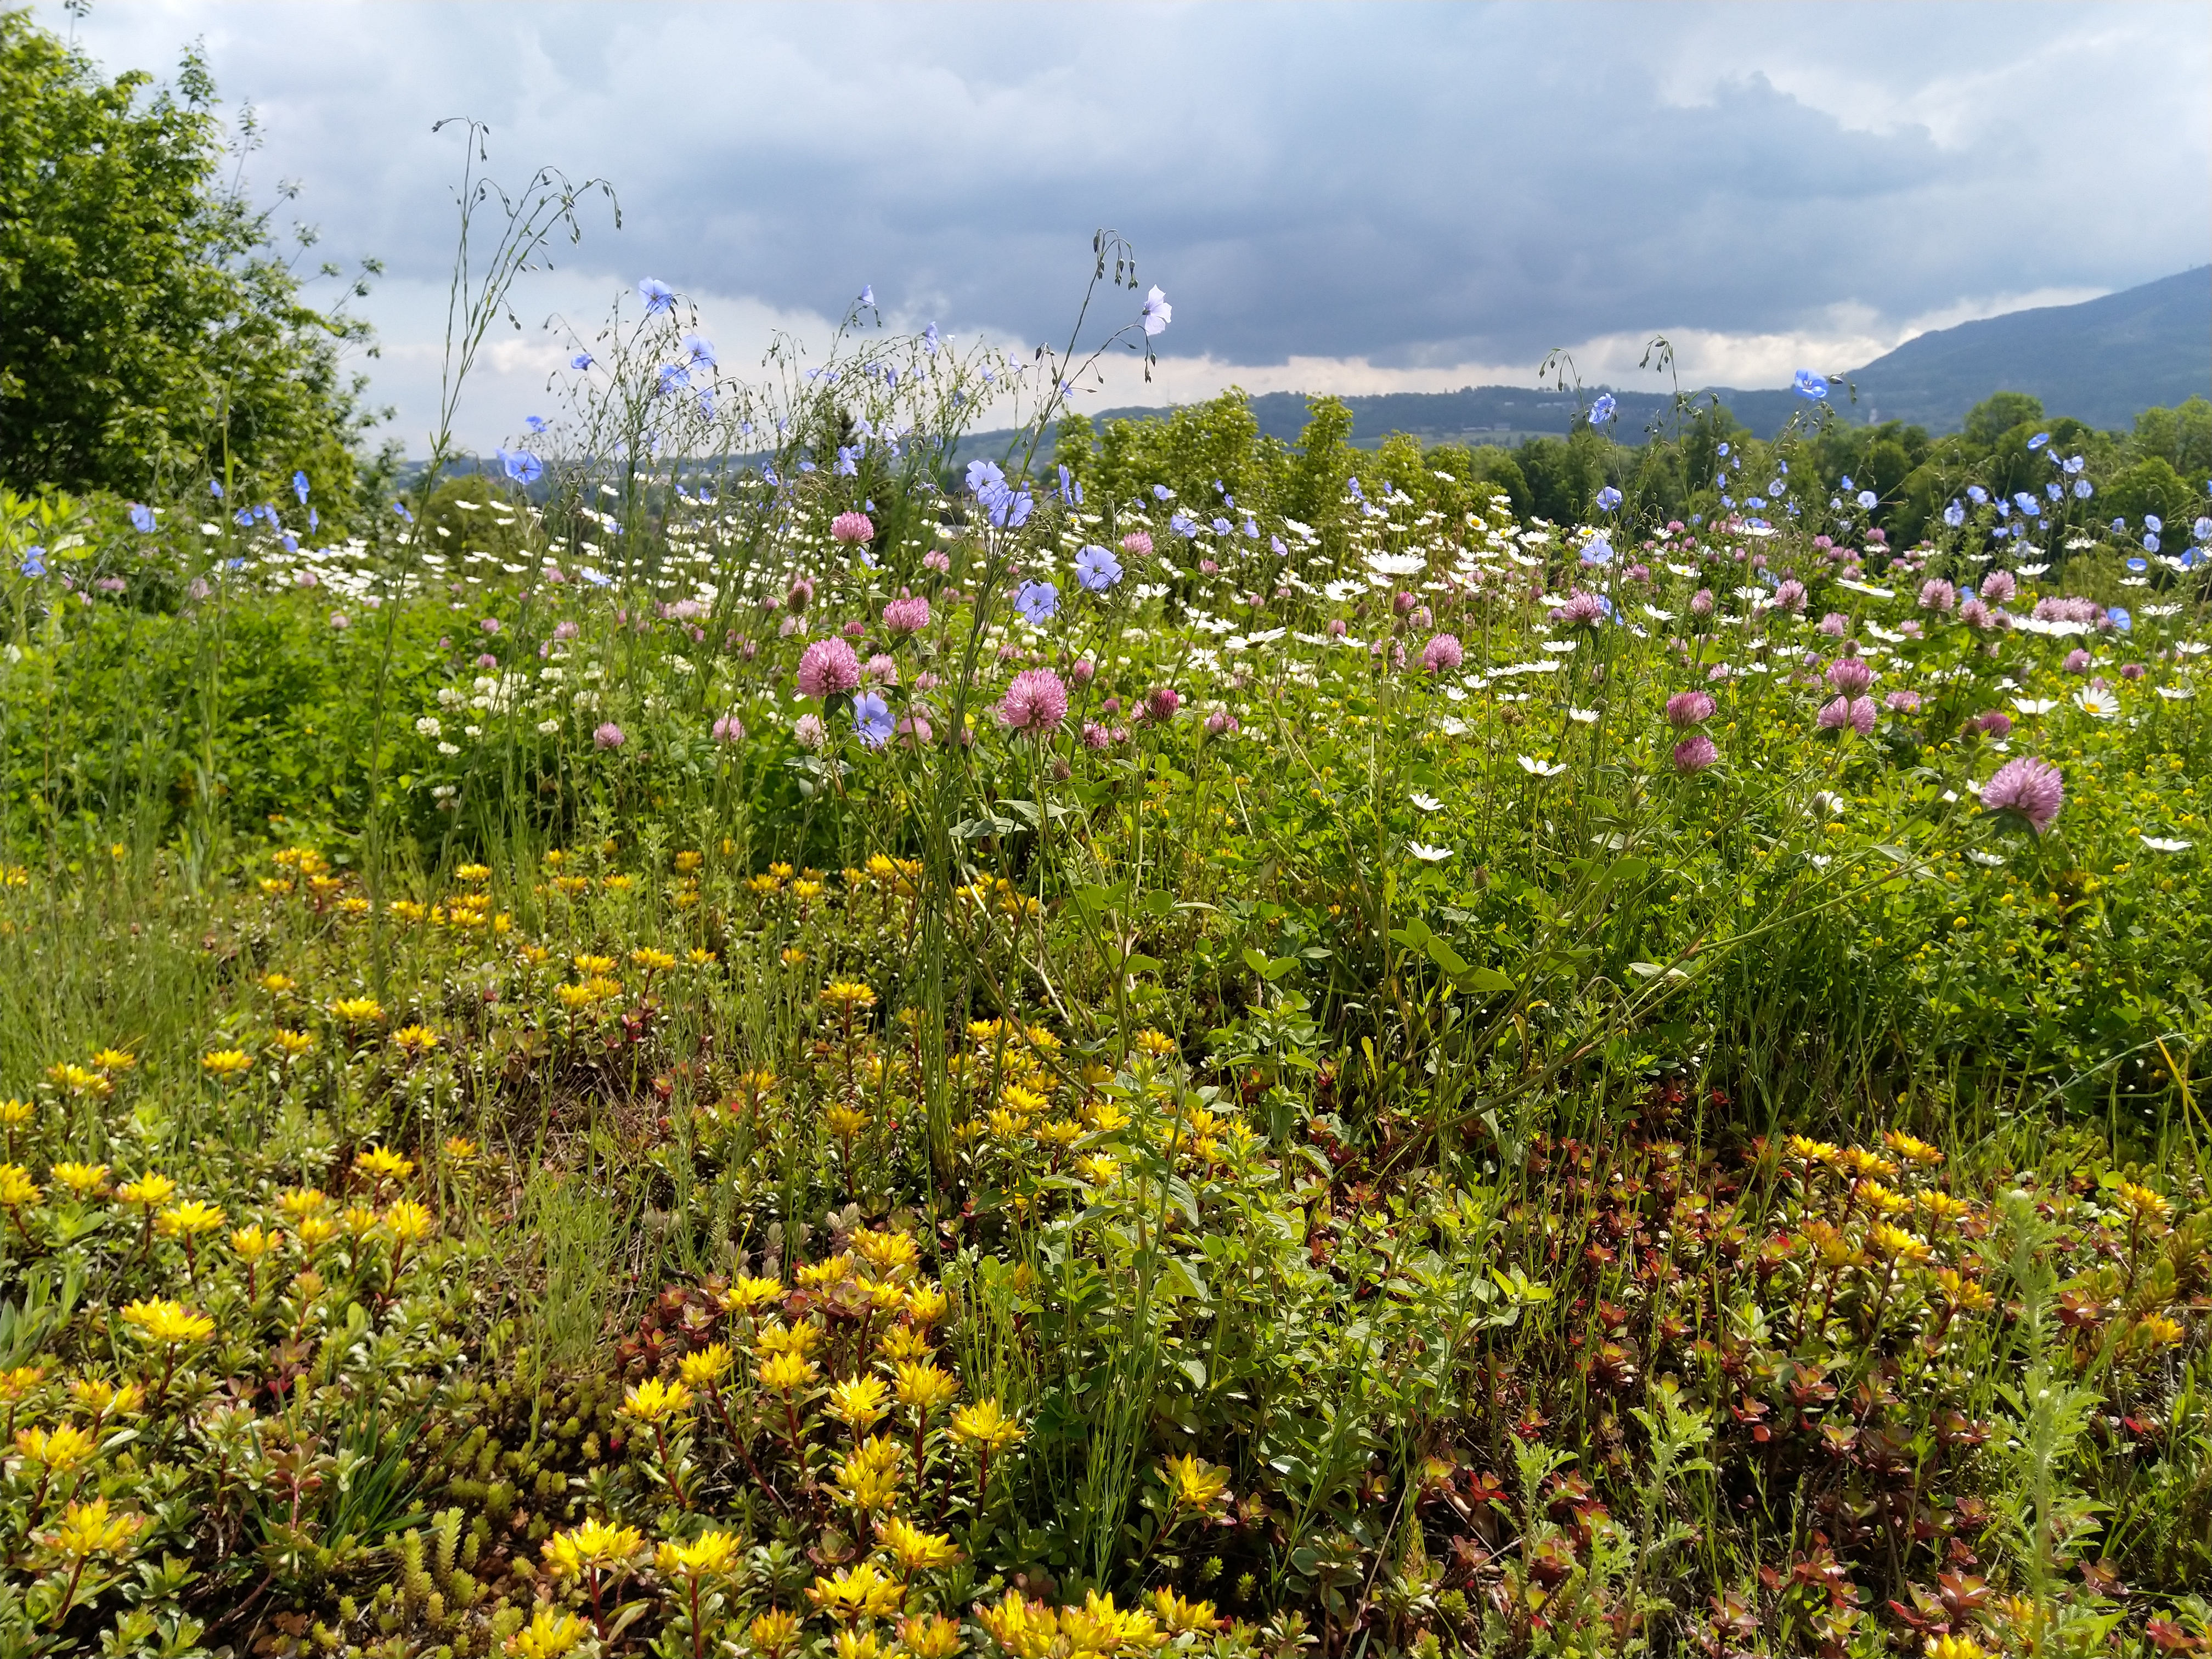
point(741, 1031)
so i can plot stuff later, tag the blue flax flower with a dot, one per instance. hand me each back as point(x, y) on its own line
point(1037, 601)
point(1096, 569)
point(871, 720)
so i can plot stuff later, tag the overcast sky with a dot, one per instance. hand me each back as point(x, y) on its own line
point(1346, 198)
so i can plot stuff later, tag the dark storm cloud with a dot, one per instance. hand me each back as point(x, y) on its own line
point(1418, 186)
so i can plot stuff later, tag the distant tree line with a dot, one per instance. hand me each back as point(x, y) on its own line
point(2162, 467)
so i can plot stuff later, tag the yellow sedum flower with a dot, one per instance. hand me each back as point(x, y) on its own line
point(1179, 1616)
point(926, 1305)
point(929, 1636)
point(985, 1426)
point(1893, 1244)
point(786, 1373)
point(1193, 1483)
point(358, 1010)
point(916, 1551)
point(315, 1232)
point(383, 1164)
point(2158, 1331)
point(149, 1190)
point(710, 1555)
point(654, 1401)
point(1100, 1627)
point(408, 1222)
point(774, 1633)
point(869, 1479)
point(922, 1386)
point(787, 1338)
point(2146, 1205)
point(859, 1402)
point(189, 1219)
point(300, 1202)
point(416, 1041)
point(226, 1063)
point(1025, 1629)
point(594, 1547)
point(549, 1635)
point(902, 1343)
point(706, 1368)
point(99, 1397)
point(1911, 1149)
point(748, 1294)
point(91, 1530)
point(164, 1320)
point(62, 1446)
point(859, 1592)
point(17, 1189)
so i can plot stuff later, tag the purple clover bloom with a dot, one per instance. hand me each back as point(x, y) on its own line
point(2033, 789)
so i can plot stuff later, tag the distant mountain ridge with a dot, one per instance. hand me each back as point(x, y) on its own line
point(2103, 360)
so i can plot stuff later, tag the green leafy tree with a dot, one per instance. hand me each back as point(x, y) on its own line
point(1325, 461)
point(1566, 474)
point(1190, 451)
point(2150, 486)
point(2181, 437)
point(1990, 419)
point(150, 329)
point(1496, 469)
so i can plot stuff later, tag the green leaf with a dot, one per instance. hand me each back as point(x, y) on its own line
point(1441, 953)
